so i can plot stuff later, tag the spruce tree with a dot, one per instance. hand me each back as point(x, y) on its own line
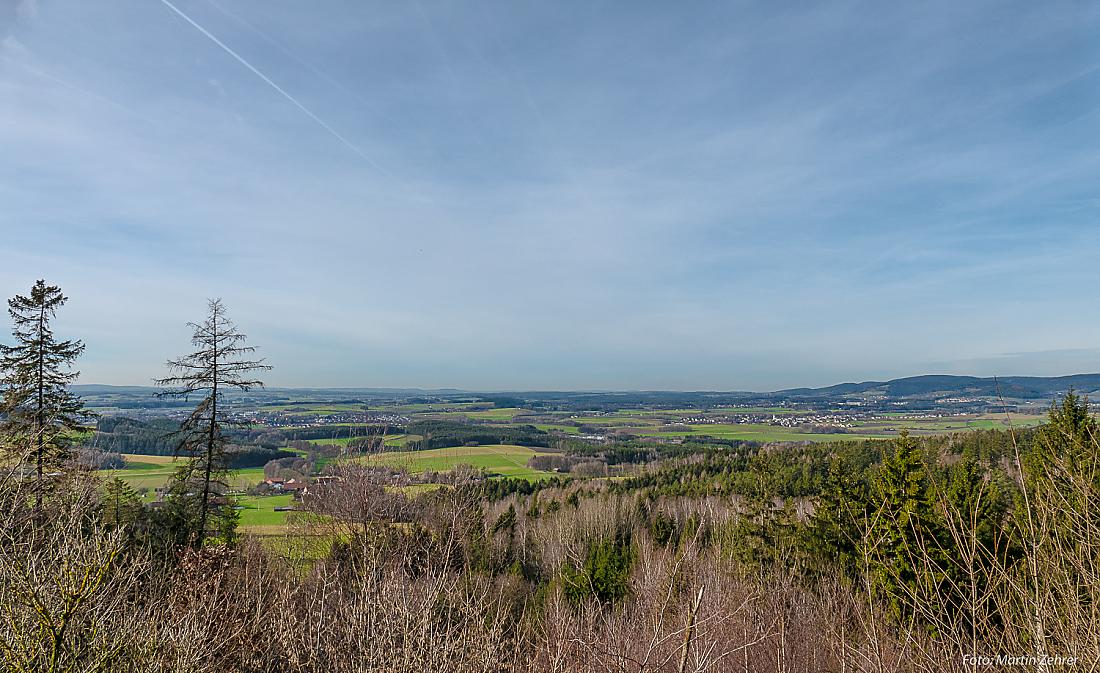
point(975, 542)
point(217, 365)
point(840, 515)
point(764, 532)
point(40, 412)
point(121, 505)
point(1065, 456)
point(906, 534)
point(1062, 478)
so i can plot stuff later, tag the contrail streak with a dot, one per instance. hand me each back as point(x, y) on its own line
point(301, 61)
point(240, 59)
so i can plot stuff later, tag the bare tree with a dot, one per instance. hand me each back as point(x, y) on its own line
point(218, 364)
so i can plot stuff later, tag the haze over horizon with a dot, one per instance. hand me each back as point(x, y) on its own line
point(518, 196)
point(505, 391)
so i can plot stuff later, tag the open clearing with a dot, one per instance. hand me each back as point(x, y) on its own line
point(502, 414)
point(505, 460)
point(258, 512)
point(258, 515)
point(151, 472)
point(390, 440)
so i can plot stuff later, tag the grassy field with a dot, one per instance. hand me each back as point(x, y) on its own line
point(497, 459)
point(259, 511)
point(344, 441)
point(430, 408)
point(153, 471)
point(390, 440)
point(503, 414)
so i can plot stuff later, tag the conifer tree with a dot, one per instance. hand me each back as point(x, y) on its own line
point(121, 505)
point(40, 412)
point(1067, 450)
point(764, 532)
point(217, 365)
point(974, 511)
point(905, 532)
point(506, 522)
point(971, 492)
point(1062, 478)
point(840, 514)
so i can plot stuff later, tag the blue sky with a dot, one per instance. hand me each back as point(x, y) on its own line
point(568, 195)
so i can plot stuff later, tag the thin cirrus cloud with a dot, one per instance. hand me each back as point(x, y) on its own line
point(639, 195)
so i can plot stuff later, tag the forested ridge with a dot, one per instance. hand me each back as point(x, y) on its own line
point(438, 434)
point(159, 437)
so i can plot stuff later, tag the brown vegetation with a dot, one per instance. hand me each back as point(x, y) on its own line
point(907, 567)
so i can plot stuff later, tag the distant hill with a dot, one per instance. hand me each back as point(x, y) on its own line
point(1019, 387)
point(916, 389)
point(104, 389)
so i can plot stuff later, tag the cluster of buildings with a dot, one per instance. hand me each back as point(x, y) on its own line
point(781, 420)
point(281, 485)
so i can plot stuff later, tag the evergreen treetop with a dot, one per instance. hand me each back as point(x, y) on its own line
point(40, 412)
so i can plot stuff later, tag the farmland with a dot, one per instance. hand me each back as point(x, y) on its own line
point(758, 424)
point(499, 441)
point(151, 472)
point(497, 460)
point(389, 440)
point(258, 513)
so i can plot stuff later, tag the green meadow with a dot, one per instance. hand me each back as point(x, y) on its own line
point(390, 440)
point(497, 459)
point(154, 471)
point(501, 414)
point(259, 511)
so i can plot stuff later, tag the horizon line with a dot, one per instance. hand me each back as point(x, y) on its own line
point(618, 390)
